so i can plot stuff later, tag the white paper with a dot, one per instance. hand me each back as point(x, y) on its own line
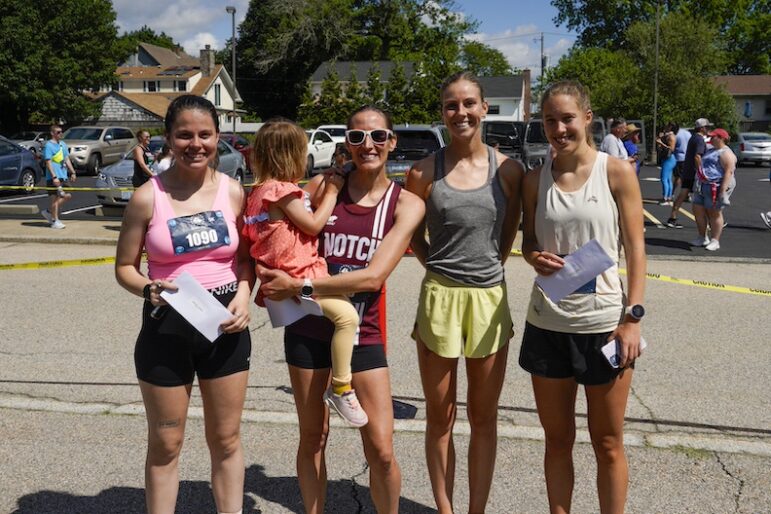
point(197, 305)
point(580, 267)
point(611, 352)
point(288, 311)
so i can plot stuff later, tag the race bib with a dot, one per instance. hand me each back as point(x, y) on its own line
point(201, 231)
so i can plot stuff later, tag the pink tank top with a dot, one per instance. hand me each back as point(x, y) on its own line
point(203, 244)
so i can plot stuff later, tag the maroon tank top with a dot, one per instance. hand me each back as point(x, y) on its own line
point(348, 242)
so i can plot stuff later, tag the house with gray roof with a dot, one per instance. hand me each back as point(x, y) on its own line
point(509, 97)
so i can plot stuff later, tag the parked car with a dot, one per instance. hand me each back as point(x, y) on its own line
point(535, 147)
point(32, 140)
point(336, 131)
point(118, 175)
point(18, 166)
point(93, 147)
point(413, 143)
point(241, 144)
point(321, 148)
point(508, 135)
point(753, 147)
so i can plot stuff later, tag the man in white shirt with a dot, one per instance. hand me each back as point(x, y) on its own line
point(613, 144)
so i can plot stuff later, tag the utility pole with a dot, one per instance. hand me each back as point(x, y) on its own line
point(232, 11)
point(655, 90)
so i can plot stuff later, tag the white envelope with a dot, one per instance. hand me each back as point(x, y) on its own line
point(197, 305)
point(580, 267)
point(288, 311)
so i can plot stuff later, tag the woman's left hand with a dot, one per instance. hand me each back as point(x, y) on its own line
point(241, 317)
point(628, 336)
point(277, 285)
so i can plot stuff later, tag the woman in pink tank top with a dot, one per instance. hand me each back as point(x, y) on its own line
point(188, 220)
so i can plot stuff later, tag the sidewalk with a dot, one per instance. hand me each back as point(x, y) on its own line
point(76, 232)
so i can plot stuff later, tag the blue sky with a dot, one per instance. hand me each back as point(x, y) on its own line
point(508, 25)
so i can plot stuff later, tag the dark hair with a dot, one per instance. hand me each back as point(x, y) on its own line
point(369, 107)
point(187, 102)
point(581, 95)
point(675, 127)
point(462, 75)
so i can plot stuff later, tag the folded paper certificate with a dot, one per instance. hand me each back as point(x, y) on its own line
point(288, 311)
point(197, 305)
point(580, 267)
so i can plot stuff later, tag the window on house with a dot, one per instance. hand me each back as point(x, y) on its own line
point(494, 109)
point(152, 86)
point(768, 107)
point(217, 95)
point(182, 85)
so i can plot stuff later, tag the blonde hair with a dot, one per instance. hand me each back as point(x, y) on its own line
point(581, 95)
point(280, 152)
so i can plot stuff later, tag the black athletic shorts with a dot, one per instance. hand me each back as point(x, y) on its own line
point(170, 352)
point(687, 183)
point(550, 354)
point(678, 171)
point(308, 353)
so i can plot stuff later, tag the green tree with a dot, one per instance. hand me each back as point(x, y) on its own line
point(743, 26)
point(396, 94)
point(355, 97)
point(375, 90)
point(484, 61)
point(50, 55)
point(331, 105)
point(127, 43)
point(621, 82)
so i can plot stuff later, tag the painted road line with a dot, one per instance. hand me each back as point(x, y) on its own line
point(81, 209)
point(19, 199)
point(652, 218)
point(651, 179)
point(687, 214)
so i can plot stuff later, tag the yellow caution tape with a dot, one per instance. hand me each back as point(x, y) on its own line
point(705, 284)
point(98, 261)
point(653, 276)
point(66, 188)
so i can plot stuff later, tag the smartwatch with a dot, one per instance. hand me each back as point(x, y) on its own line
point(636, 312)
point(307, 289)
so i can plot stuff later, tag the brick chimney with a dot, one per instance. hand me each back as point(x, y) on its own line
point(207, 61)
point(527, 96)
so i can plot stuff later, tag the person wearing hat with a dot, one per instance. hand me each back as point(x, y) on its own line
point(696, 148)
point(631, 140)
point(716, 182)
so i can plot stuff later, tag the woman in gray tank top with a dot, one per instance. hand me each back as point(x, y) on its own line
point(582, 195)
point(472, 213)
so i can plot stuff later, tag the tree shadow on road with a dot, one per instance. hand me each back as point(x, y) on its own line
point(342, 495)
point(194, 496)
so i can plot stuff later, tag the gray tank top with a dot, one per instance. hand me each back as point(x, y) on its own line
point(464, 228)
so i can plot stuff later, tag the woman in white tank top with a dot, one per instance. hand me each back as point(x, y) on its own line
point(577, 196)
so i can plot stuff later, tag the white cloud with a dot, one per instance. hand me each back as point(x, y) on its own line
point(522, 46)
point(194, 45)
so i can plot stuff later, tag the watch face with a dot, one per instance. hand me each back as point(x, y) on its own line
point(306, 291)
point(638, 311)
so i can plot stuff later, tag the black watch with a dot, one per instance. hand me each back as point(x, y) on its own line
point(146, 291)
point(307, 288)
point(636, 311)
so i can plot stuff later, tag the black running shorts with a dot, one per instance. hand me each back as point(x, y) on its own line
point(562, 355)
point(170, 352)
point(307, 353)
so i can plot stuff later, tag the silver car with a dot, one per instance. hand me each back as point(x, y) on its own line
point(753, 147)
point(32, 140)
point(118, 176)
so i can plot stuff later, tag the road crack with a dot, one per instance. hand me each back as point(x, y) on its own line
point(738, 480)
point(651, 415)
point(355, 490)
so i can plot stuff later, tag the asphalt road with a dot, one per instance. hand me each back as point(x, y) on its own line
point(745, 236)
point(72, 430)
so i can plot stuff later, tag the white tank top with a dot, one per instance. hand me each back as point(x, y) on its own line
point(563, 223)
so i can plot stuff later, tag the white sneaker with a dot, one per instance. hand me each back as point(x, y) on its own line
point(58, 225)
point(347, 405)
point(47, 215)
point(700, 241)
point(766, 217)
point(713, 245)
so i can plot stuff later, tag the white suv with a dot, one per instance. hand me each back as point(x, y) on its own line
point(321, 148)
point(336, 131)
